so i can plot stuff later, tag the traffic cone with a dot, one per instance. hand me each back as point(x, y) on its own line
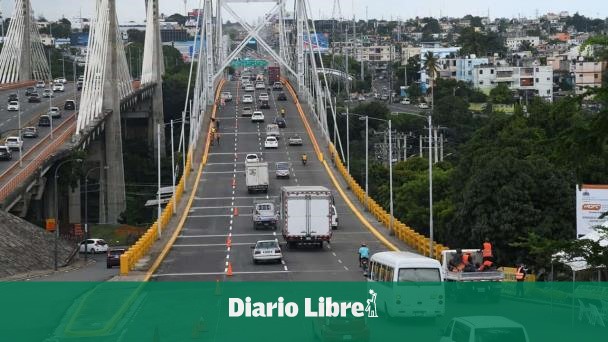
point(229, 272)
point(229, 242)
point(218, 289)
point(199, 327)
point(236, 211)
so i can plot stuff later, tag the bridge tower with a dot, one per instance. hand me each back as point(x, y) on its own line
point(106, 82)
point(153, 69)
point(22, 58)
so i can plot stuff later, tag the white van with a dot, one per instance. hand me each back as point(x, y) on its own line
point(408, 284)
point(334, 217)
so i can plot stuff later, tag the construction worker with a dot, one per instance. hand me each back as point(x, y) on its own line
point(520, 276)
point(212, 136)
point(466, 261)
point(486, 251)
point(487, 264)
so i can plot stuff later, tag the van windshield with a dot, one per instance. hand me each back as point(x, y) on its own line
point(418, 275)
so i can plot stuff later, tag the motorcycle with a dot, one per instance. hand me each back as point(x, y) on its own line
point(304, 160)
point(364, 265)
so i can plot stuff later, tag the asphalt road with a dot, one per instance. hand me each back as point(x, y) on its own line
point(200, 253)
point(29, 113)
point(93, 271)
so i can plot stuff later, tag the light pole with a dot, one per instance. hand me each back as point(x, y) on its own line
point(429, 117)
point(86, 208)
point(159, 211)
point(19, 128)
point(56, 190)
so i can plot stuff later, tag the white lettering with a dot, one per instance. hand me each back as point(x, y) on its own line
point(308, 309)
point(235, 307)
point(332, 309)
point(258, 310)
point(281, 306)
point(291, 309)
point(357, 309)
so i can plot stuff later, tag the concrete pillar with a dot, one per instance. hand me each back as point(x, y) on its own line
point(115, 181)
point(25, 71)
point(155, 48)
point(75, 207)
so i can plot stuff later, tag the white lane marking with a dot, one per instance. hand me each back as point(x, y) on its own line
point(222, 235)
point(339, 261)
point(346, 268)
point(333, 253)
point(220, 273)
point(204, 216)
point(228, 255)
point(222, 207)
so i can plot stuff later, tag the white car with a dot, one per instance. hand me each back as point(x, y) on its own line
point(93, 246)
point(247, 99)
point(252, 158)
point(271, 142)
point(40, 84)
point(227, 96)
point(267, 250)
point(61, 80)
point(260, 85)
point(263, 97)
point(13, 143)
point(423, 105)
point(249, 88)
point(54, 112)
point(58, 87)
point(12, 106)
point(257, 117)
point(47, 93)
point(361, 98)
point(406, 101)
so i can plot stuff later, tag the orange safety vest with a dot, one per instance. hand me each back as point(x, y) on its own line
point(519, 275)
point(487, 250)
point(466, 259)
point(486, 264)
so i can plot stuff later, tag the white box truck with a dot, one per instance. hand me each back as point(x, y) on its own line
point(306, 215)
point(256, 177)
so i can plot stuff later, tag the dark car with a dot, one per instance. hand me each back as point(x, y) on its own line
point(279, 121)
point(264, 104)
point(34, 97)
point(282, 97)
point(44, 121)
point(5, 153)
point(29, 91)
point(113, 258)
point(13, 97)
point(69, 105)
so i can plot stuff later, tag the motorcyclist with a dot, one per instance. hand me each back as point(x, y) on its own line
point(304, 158)
point(363, 254)
point(283, 111)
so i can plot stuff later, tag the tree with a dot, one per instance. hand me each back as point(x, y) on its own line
point(178, 18)
point(501, 94)
point(431, 65)
point(480, 44)
point(136, 36)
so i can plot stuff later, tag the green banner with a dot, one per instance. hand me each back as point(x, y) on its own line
point(249, 63)
point(279, 311)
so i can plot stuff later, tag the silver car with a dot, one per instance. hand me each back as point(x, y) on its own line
point(267, 250)
point(282, 170)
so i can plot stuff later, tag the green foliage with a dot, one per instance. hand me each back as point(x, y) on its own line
point(479, 43)
point(178, 18)
point(60, 29)
point(136, 36)
point(501, 94)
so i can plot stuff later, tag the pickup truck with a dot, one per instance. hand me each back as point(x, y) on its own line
point(477, 282)
point(265, 214)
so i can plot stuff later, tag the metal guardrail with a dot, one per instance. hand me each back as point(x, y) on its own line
point(129, 259)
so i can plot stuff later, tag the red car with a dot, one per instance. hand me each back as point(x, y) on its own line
point(113, 258)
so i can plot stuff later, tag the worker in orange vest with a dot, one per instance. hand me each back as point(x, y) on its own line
point(486, 252)
point(520, 276)
point(487, 264)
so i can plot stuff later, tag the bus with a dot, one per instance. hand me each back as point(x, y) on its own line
point(407, 284)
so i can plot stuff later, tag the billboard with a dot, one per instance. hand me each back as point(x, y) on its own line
point(320, 42)
point(591, 205)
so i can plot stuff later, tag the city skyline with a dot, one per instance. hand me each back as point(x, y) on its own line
point(323, 9)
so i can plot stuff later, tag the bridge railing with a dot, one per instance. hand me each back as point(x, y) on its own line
point(142, 246)
point(402, 231)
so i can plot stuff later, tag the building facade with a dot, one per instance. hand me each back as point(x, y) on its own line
point(587, 75)
point(534, 79)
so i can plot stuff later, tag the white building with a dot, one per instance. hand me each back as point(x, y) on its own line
point(538, 79)
point(515, 42)
point(378, 53)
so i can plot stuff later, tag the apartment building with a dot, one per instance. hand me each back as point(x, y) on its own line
point(587, 75)
point(465, 67)
point(530, 79)
point(515, 42)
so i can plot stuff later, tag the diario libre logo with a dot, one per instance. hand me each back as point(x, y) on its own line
point(322, 307)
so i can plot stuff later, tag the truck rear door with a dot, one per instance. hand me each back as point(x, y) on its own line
point(296, 216)
point(320, 216)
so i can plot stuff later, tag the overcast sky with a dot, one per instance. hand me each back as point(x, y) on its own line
point(396, 9)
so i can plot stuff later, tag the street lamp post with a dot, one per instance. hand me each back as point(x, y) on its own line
point(56, 190)
point(86, 208)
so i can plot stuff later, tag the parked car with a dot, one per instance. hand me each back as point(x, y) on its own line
point(93, 246)
point(69, 105)
point(47, 93)
point(252, 158)
point(361, 98)
point(40, 84)
point(282, 97)
point(34, 98)
point(12, 106)
point(54, 112)
point(279, 121)
point(113, 258)
point(29, 91)
point(13, 143)
point(44, 121)
point(5, 153)
point(226, 96)
point(246, 111)
point(295, 140)
point(247, 99)
point(423, 105)
point(13, 97)
point(257, 117)
point(58, 87)
point(271, 142)
point(406, 101)
point(267, 250)
point(282, 170)
point(30, 132)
